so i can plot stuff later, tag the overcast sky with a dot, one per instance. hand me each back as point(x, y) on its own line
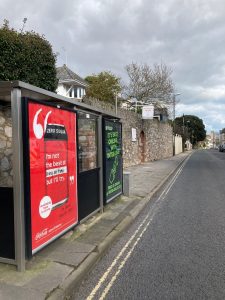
point(105, 35)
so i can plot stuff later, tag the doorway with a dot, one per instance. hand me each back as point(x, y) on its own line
point(142, 146)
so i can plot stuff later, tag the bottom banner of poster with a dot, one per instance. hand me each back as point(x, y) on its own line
point(52, 239)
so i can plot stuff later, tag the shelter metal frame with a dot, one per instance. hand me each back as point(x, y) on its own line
point(12, 92)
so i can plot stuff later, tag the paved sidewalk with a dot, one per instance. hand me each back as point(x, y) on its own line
point(53, 272)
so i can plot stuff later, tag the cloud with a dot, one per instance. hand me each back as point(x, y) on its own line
point(212, 114)
point(97, 35)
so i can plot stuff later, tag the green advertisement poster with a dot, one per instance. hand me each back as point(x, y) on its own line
point(112, 159)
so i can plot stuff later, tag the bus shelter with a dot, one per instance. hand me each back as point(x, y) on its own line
point(66, 163)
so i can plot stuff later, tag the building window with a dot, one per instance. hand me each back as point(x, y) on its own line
point(81, 92)
point(75, 92)
point(78, 92)
point(87, 141)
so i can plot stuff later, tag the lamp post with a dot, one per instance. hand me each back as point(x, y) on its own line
point(183, 125)
point(183, 138)
point(116, 103)
point(188, 126)
point(174, 115)
point(117, 95)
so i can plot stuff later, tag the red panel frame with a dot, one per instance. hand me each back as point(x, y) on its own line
point(52, 172)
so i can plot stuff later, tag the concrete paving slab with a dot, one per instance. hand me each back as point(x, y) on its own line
point(9, 275)
point(69, 257)
point(70, 253)
point(50, 278)
point(12, 292)
point(51, 247)
point(96, 235)
point(71, 246)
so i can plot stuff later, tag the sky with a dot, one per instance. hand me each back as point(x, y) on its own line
point(91, 36)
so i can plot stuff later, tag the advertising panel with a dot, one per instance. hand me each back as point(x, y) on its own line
point(113, 159)
point(52, 172)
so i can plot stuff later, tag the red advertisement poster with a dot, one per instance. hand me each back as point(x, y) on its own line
point(53, 175)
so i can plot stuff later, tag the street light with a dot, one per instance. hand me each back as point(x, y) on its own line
point(174, 114)
point(116, 101)
point(189, 134)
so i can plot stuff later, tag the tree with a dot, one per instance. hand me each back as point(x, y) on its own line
point(27, 57)
point(149, 85)
point(103, 86)
point(192, 127)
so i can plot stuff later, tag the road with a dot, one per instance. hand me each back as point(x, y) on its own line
point(176, 247)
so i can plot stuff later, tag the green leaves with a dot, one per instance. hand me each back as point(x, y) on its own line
point(27, 57)
point(192, 127)
point(103, 86)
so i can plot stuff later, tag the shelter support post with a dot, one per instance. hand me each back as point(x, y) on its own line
point(100, 162)
point(18, 178)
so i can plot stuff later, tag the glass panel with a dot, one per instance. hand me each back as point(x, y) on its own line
point(87, 141)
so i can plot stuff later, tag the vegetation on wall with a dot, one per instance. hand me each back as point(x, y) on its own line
point(27, 57)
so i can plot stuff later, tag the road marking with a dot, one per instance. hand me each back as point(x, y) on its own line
point(110, 284)
point(171, 183)
point(151, 214)
point(105, 275)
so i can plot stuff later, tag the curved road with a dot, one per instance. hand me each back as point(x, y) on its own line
point(176, 247)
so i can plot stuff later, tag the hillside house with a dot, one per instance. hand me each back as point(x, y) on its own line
point(70, 84)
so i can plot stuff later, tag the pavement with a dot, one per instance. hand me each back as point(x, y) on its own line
point(53, 273)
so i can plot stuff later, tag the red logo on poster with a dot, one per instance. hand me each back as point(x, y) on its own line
point(53, 177)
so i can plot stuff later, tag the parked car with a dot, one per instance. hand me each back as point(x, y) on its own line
point(222, 147)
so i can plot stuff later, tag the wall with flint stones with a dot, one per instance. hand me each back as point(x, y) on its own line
point(5, 147)
point(152, 141)
point(153, 138)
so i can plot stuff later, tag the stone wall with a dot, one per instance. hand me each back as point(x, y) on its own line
point(159, 141)
point(153, 138)
point(5, 148)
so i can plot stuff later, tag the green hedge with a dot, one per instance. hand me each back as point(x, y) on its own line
point(27, 57)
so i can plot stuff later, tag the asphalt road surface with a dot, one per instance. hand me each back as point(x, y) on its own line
point(176, 247)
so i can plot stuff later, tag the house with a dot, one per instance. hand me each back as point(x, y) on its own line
point(213, 139)
point(70, 84)
point(222, 136)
